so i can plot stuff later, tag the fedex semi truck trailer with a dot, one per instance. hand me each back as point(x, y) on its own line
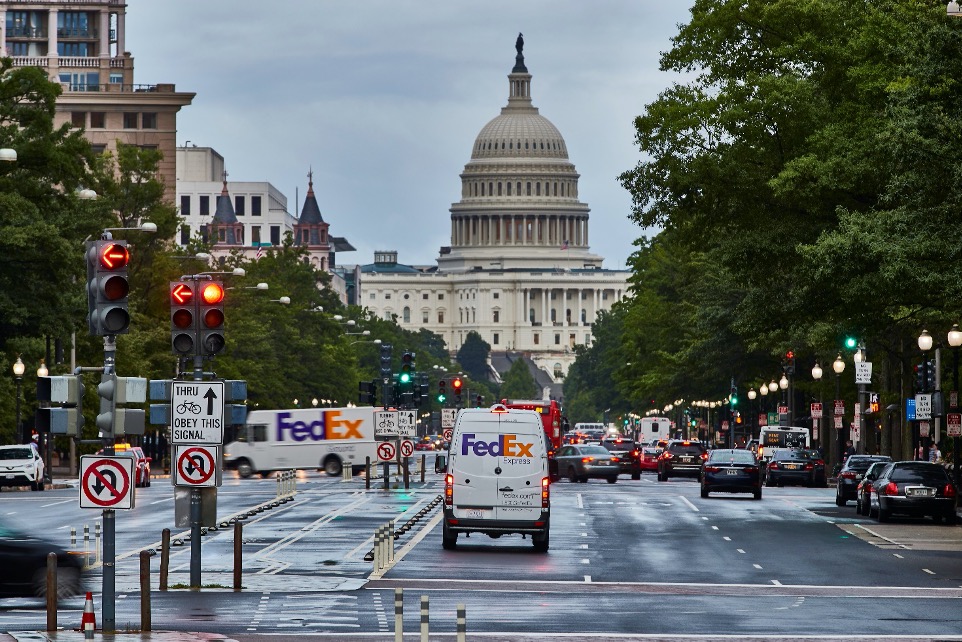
point(318, 438)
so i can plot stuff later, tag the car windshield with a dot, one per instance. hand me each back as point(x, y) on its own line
point(791, 454)
point(685, 449)
point(15, 453)
point(733, 456)
point(618, 444)
point(594, 450)
point(920, 473)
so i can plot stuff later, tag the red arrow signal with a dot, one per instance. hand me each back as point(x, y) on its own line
point(114, 256)
point(182, 293)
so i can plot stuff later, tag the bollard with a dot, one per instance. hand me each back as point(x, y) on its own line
point(97, 540)
point(73, 536)
point(238, 554)
point(164, 557)
point(423, 465)
point(398, 615)
point(387, 474)
point(280, 488)
point(51, 591)
point(424, 618)
point(86, 544)
point(390, 541)
point(407, 475)
point(367, 473)
point(348, 472)
point(379, 548)
point(144, 591)
point(462, 624)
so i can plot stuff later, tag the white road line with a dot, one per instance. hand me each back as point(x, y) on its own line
point(776, 583)
point(55, 503)
point(585, 560)
point(588, 578)
point(928, 571)
point(742, 551)
point(582, 546)
point(758, 566)
point(161, 501)
point(714, 528)
point(874, 534)
point(690, 505)
point(898, 556)
point(584, 534)
point(727, 539)
point(581, 503)
point(704, 518)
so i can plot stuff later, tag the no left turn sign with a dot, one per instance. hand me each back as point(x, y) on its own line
point(105, 482)
point(386, 451)
point(196, 466)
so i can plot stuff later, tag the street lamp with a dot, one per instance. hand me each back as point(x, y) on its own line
point(925, 344)
point(18, 368)
point(752, 395)
point(783, 384)
point(955, 340)
point(817, 376)
point(839, 367)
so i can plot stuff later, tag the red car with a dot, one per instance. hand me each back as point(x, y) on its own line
point(649, 459)
point(424, 445)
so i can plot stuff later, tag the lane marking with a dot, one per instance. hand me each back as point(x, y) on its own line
point(585, 560)
point(740, 550)
point(60, 502)
point(161, 501)
point(690, 505)
point(727, 539)
point(714, 528)
point(588, 579)
point(582, 546)
point(776, 583)
point(581, 503)
point(898, 556)
point(928, 571)
point(758, 566)
point(882, 537)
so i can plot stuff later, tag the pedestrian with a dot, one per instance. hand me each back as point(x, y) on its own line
point(934, 453)
point(921, 453)
point(849, 449)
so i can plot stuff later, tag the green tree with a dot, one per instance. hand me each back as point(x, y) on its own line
point(518, 382)
point(473, 356)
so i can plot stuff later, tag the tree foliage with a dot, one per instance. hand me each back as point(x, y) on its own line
point(473, 356)
point(518, 382)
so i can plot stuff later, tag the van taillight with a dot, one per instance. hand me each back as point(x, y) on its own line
point(544, 492)
point(449, 490)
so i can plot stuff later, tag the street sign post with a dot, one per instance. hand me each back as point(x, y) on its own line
point(196, 466)
point(448, 415)
point(106, 482)
point(197, 412)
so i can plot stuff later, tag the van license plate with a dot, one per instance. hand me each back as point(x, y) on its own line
point(478, 513)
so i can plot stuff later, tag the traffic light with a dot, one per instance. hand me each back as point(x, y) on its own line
point(790, 362)
point(183, 320)
point(424, 392)
point(407, 368)
point(456, 386)
point(386, 368)
point(442, 391)
point(919, 376)
point(930, 376)
point(210, 313)
point(118, 422)
point(68, 419)
point(107, 287)
point(478, 401)
point(367, 392)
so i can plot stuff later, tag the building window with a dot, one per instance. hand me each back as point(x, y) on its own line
point(184, 234)
point(557, 371)
point(557, 339)
point(497, 295)
point(425, 296)
point(205, 205)
point(387, 296)
point(531, 315)
point(239, 202)
point(571, 341)
point(440, 317)
point(184, 205)
point(528, 192)
point(148, 120)
point(130, 120)
point(407, 296)
point(497, 316)
point(116, 78)
point(255, 205)
point(98, 120)
point(388, 315)
point(494, 339)
point(98, 149)
point(275, 234)
point(407, 314)
point(584, 316)
point(255, 234)
point(372, 296)
point(441, 297)
point(554, 315)
point(537, 338)
point(425, 315)
point(78, 119)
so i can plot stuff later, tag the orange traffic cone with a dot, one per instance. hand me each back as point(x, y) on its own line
point(88, 623)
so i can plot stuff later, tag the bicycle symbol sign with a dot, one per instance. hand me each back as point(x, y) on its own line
point(385, 423)
point(197, 412)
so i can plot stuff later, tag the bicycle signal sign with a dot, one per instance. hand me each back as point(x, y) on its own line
point(197, 412)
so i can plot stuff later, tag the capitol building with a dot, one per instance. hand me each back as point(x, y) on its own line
point(519, 270)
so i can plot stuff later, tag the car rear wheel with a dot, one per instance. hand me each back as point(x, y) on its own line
point(839, 500)
point(572, 475)
point(951, 519)
point(758, 493)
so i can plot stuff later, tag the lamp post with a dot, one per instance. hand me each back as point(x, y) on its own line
point(839, 367)
point(752, 395)
point(817, 376)
point(955, 340)
point(763, 391)
point(18, 368)
point(925, 344)
point(45, 447)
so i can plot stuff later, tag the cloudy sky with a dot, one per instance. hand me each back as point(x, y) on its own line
point(384, 98)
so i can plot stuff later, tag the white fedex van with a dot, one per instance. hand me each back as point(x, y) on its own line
point(652, 428)
point(497, 479)
point(315, 438)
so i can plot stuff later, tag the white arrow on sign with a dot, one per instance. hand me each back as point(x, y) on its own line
point(407, 423)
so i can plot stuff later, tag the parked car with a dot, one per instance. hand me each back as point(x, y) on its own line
point(580, 462)
point(23, 559)
point(21, 466)
point(649, 458)
point(914, 488)
point(627, 452)
point(681, 458)
point(863, 499)
point(851, 473)
point(731, 471)
point(790, 465)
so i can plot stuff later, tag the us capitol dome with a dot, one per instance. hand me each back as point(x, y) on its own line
point(518, 270)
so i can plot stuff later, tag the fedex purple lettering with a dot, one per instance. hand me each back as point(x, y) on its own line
point(329, 425)
point(505, 446)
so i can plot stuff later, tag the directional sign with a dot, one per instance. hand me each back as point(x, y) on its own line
point(195, 466)
point(407, 423)
point(197, 412)
point(385, 423)
point(448, 415)
point(910, 409)
point(386, 451)
point(106, 482)
point(406, 449)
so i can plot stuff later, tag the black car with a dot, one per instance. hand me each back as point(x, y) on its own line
point(731, 471)
point(790, 466)
point(23, 559)
point(850, 474)
point(821, 477)
point(863, 494)
point(627, 452)
point(915, 488)
point(681, 459)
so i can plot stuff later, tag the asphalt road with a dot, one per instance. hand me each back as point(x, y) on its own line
point(634, 559)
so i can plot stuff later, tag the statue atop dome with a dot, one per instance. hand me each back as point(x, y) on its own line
point(519, 67)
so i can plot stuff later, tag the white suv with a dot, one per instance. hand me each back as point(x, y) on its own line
point(21, 466)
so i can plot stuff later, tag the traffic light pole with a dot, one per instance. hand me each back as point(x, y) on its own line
point(109, 515)
point(195, 505)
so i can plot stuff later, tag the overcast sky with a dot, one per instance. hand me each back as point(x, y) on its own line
point(384, 99)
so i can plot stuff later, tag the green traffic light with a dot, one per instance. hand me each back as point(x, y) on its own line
point(851, 343)
point(734, 400)
point(404, 378)
point(441, 398)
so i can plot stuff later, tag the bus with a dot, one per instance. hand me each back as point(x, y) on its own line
point(550, 413)
point(771, 438)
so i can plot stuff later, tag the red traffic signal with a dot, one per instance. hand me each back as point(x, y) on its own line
point(113, 256)
point(211, 306)
point(456, 384)
point(183, 328)
point(107, 287)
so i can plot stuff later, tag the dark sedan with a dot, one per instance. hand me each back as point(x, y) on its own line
point(863, 494)
point(681, 458)
point(579, 462)
point(851, 474)
point(790, 466)
point(628, 454)
point(731, 471)
point(23, 559)
point(917, 489)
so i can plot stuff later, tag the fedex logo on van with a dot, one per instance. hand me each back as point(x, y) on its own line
point(505, 446)
point(329, 426)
